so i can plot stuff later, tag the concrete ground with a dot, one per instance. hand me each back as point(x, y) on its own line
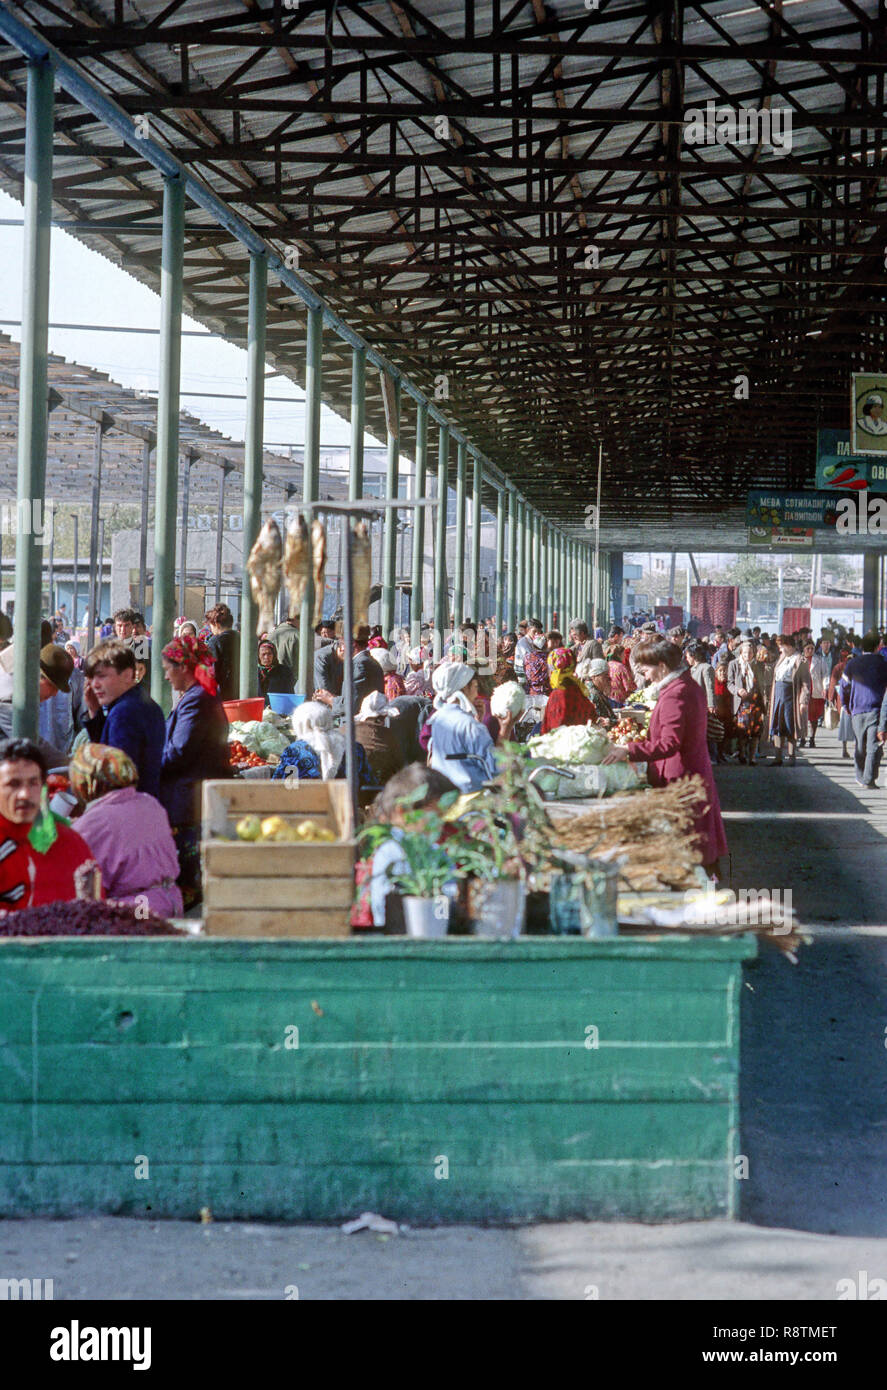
point(116, 1258)
point(813, 1126)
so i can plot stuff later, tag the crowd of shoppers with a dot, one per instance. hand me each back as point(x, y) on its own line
point(449, 701)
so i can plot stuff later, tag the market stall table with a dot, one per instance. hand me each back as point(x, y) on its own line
point(449, 1081)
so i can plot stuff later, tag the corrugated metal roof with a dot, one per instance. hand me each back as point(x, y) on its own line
point(712, 259)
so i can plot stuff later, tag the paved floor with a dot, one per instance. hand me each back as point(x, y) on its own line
point(813, 1126)
point(116, 1258)
point(812, 829)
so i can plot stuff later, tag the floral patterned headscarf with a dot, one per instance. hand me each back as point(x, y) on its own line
point(96, 768)
point(195, 654)
point(562, 668)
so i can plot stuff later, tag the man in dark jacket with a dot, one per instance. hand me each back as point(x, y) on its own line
point(225, 647)
point(121, 713)
point(867, 675)
point(329, 667)
point(368, 675)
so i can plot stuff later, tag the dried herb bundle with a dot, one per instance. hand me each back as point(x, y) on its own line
point(654, 830)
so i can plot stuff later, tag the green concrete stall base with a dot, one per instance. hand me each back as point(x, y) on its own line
point(442, 1081)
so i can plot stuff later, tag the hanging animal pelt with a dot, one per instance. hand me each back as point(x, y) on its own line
point(263, 568)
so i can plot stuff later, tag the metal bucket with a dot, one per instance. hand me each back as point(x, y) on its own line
point(426, 917)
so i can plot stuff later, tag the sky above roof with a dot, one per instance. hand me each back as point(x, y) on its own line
point(87, 289)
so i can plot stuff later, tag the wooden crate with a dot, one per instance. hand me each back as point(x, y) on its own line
point(276, 890)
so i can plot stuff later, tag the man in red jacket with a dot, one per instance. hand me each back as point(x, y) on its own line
point(27, 876)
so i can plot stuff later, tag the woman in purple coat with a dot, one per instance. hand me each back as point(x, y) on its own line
point(676, 743)
point(127, 831)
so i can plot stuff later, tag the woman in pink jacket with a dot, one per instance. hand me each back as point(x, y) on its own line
point(127, 830)
point(676, 743)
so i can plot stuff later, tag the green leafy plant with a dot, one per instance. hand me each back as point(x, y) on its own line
point(429, 866)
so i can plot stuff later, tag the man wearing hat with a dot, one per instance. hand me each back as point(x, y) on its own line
point(56, 666)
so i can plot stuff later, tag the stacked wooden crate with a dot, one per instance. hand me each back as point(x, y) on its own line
point(262, 889)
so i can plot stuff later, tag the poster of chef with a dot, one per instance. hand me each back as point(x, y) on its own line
point(868, 421)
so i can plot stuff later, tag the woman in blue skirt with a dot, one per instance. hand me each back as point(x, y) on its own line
point(790, 675)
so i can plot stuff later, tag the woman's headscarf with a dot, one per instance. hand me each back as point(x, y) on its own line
point(377, 642)
point(562, 669)
point(72, 647)
point(313, 723)
point(195, 654)
point(376, 708)
point(449, 681)
point(96, 768)
point(383, 657)
point(266, 642)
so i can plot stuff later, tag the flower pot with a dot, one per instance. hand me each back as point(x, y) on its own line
point(498, 908)
point(427, 917)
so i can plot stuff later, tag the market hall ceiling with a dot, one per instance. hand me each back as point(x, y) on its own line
point(503, 199)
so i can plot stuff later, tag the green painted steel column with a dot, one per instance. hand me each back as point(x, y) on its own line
point(511, 619)
point(521, 560)
point(546, 576)
point(310, 484)
point(500, 561)
point(441, 589)
point(476, 521)
point(459, 564)
point(389, 558)
point(33, 405)
point(559, 580)
point(570, 595)
point(536, 566)
point(593, 587)
point(358, 423)
point(167, 451)
point(418, 579)
point(252, 465)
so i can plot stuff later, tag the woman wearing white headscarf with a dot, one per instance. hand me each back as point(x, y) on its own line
point(461, 747)
point(373, 732)
point(394, 685)
point(318, 749)
point(415, 681)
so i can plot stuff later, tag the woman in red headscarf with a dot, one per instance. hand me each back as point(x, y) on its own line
point(196, 748)
point(568, 702)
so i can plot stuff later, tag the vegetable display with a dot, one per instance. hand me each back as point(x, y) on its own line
point(242, 757)
point(570, 744)
point(626, 731)
point(83, 917)
point(259, 737)
point(275, 830)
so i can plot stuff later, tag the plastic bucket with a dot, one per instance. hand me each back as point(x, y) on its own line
point(498, 908)
point(244, 709)
point(285, 704)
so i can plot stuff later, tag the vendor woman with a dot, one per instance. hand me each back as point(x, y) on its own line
point(676, 744)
